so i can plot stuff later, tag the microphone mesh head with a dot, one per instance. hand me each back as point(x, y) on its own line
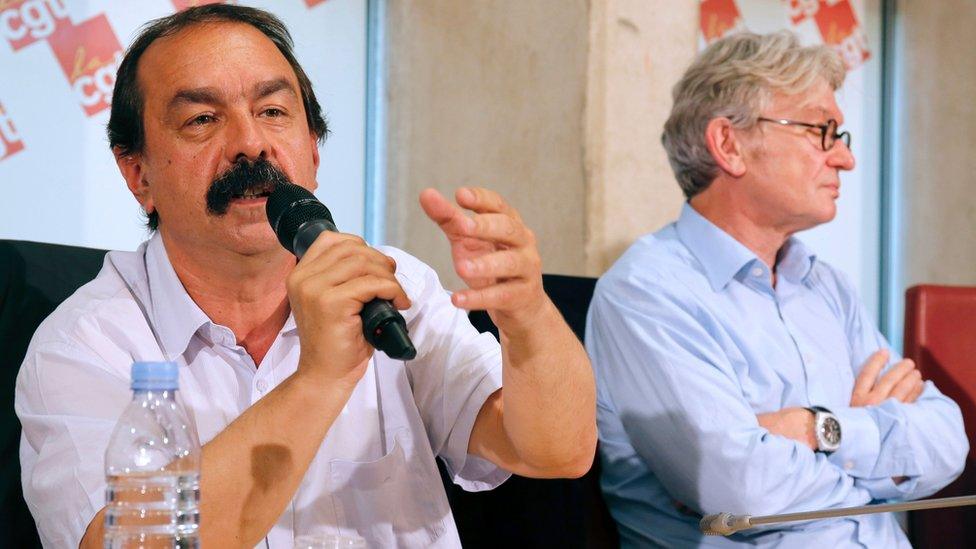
point(289, 207)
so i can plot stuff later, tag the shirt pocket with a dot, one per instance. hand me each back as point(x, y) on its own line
point(391, 501)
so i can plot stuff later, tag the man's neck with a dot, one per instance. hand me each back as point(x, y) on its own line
point(742, 224)
point(245, 293)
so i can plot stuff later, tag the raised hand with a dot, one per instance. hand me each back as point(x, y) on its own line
point(494, 253)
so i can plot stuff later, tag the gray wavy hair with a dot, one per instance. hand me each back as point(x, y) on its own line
point(735, 78)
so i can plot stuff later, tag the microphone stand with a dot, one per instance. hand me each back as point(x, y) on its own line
point(724, 524)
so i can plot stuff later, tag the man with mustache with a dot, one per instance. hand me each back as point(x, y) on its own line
point(736, 372)
point(304, 427)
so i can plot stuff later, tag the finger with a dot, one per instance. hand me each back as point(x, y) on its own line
point(364, 289)
point(892, 377)
point(506, 264)
point(497, 297)
point(448, 217)
point(869, 372)
point(354, 267)
point(904, 389)
point(500, 228)
point(325, 241)
point(481, 200)
point(347, 251)
point(919, 389)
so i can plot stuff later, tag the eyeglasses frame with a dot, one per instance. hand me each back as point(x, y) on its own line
point(844, 136)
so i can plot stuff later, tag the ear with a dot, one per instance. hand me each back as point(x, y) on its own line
point(725, 146)
point(130, 165)
point(315, 148)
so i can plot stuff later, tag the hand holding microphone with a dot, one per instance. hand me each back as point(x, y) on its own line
point(344, 294)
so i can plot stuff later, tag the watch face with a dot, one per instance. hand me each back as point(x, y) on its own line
point(830, 429)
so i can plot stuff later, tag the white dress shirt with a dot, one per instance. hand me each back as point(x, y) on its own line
point(375, 473)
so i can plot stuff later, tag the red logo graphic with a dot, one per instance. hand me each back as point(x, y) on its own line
point(801, 9)
point(10, 142)
point(838, 26)
point(23, 22)
point(719, 18)
point(313, 3)
point(181, 5)
point(89, 55)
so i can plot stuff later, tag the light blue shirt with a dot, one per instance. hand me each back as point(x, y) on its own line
point(690, 340)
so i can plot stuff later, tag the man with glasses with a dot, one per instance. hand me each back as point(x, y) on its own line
point(736, 372)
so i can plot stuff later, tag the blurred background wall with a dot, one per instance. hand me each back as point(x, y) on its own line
point(556, 104)
point(933, 137)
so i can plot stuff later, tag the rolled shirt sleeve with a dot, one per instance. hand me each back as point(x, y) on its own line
point(456, 370)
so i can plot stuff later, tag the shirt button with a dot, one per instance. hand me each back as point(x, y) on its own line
point(262, 385)
point(757, 271)
point(848, 465)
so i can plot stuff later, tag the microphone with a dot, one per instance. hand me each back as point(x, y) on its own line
point(298, 218)
point(725, 524)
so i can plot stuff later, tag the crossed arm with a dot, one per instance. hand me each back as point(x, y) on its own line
point(683, 409)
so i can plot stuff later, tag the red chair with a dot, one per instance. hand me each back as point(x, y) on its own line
point(940, 336)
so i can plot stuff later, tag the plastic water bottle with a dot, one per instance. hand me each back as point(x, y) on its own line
point(152, 466)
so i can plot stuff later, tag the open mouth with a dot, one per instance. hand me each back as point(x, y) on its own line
point(261, 191)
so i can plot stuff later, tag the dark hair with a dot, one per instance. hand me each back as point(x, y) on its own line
point(126, 133)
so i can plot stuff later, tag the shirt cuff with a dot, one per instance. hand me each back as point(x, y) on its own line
point(860, 442)
point(885, 488)
point(470, 472)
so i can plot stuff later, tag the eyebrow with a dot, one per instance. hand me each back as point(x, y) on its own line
point(195, 95)
point(269, 87)
point(816, 111)
point(211, 96)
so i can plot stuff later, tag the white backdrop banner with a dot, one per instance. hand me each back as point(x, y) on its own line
point(58, 60)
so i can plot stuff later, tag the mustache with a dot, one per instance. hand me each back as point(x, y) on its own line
point(259, 178)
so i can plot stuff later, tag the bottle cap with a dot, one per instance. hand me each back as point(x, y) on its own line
point(155, 376)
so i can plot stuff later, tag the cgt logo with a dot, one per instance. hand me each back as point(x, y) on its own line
point(838, 26)
point(23, 22)
point(719, 18)
point(89, 55)
point(10, 142)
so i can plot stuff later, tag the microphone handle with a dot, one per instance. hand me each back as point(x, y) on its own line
point(725, 524)
point(959, 501)
point(383, 326)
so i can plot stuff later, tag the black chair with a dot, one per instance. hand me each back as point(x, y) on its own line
point(525, 512)
point(34, 279)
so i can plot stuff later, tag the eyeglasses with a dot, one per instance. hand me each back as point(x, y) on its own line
point(828, 131)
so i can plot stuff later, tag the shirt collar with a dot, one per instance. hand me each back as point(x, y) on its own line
point(795, 261)
point(175, 316)
point(721, 256)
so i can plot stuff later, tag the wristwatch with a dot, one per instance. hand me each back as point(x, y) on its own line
point(827, 429)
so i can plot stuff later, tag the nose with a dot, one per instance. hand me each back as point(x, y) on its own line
point(840, 156)
point(246, 139)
